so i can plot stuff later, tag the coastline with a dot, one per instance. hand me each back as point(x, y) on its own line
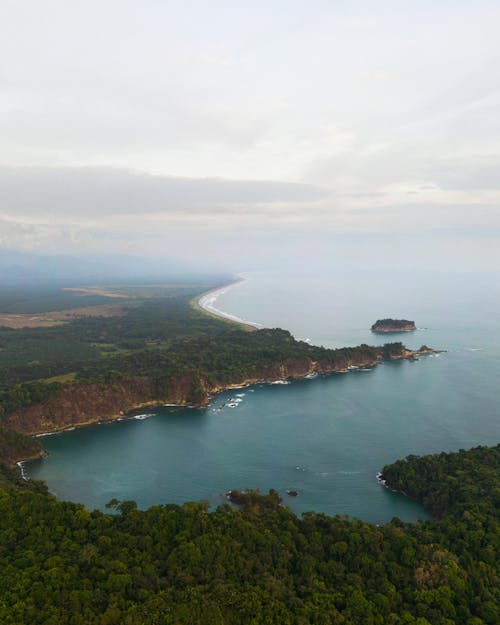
point(279, 375)
point(206, 303)
point(128, 403)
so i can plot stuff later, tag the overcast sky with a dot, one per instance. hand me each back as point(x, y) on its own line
point(251, 131)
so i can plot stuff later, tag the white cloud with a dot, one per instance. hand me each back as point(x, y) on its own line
point(269, 117)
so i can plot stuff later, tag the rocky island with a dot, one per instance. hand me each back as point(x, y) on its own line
point(387, 326)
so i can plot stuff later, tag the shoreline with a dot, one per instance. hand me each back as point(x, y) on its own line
point(136, 410)
point(205, 302)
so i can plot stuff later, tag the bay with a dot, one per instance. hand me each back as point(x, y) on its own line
point(326, 437)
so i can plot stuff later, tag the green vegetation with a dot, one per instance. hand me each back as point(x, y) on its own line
point(393, 325)
point(62, 564)
point(258, 563)
point(30, 300)
point(26, 394)
point(39, 353)
point(466, 481)
point(14, 445)
point(160, 337)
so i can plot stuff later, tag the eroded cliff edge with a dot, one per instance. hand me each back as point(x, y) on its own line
point(85, 403)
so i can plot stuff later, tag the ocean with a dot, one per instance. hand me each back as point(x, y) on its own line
point(327, 437)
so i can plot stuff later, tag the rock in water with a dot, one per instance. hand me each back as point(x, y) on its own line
point(393, 325)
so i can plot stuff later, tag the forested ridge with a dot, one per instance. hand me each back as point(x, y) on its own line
point(160, 340)
point(261, 564)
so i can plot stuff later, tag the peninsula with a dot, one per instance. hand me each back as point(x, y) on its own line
point(388, 326)
point(160, 350)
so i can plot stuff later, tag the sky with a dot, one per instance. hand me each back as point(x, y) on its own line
point(242, 134)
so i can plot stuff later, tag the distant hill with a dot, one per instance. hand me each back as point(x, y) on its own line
point(17, 267)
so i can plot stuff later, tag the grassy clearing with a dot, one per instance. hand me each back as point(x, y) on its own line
point(63, 379)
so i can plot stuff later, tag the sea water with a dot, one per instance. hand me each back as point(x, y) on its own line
point(326, 437)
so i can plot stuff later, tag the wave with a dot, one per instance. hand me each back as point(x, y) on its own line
point(380, 479)
point(43, 434)
point(24, 475)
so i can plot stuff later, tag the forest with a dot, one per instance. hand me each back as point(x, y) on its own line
point(160, 335)
point(248, 564)
point(259, 563)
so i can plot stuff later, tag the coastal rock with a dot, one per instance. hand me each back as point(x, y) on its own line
point(252, 500)
point(385, 326)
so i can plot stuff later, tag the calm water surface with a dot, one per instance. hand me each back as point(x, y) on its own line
point(326, 437)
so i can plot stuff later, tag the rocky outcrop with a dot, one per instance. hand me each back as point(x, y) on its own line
point(254, 501)
point(387, 326)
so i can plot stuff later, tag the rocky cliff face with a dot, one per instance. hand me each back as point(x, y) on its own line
point(83, 404)
point(86, 403)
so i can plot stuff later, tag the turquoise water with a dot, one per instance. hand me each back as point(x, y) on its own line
point(325, 437)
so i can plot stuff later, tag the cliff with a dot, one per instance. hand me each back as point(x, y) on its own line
point(15, 446)
point(95, 402)
point(393, 325)
point(85, 403)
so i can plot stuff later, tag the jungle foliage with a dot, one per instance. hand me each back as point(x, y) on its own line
point(260, 564)
point(159, 337)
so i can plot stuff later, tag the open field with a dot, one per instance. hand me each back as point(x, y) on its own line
point(59, 317)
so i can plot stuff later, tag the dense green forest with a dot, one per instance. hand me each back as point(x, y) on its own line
point(154, 319)
point(261, 564)
point(161, 335)
point(253, 564)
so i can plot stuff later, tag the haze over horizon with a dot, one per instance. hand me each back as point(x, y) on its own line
point(240, 136)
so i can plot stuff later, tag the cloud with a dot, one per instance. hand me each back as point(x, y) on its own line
point(250, 129)
point(82, 193)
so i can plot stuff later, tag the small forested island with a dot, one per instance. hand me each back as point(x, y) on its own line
point(393, 325)
point(250, 561)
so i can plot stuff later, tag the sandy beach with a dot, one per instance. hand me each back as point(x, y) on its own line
point(208, 303)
